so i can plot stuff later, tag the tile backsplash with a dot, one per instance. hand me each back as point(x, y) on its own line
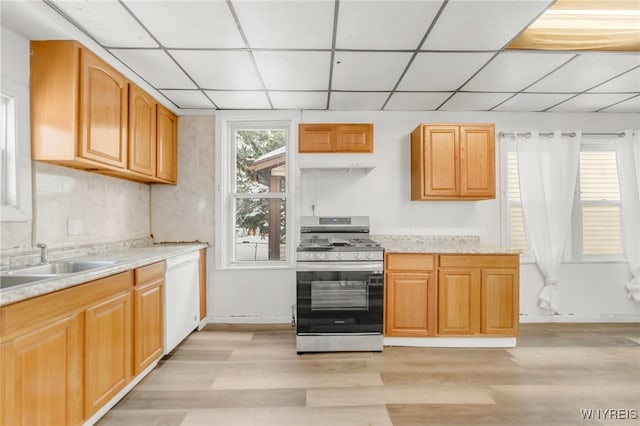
point(101, 209)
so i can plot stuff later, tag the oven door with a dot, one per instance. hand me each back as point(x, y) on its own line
point(339, 297)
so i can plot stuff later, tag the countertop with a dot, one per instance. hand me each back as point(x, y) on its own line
point(126, 259)
point(462, 244)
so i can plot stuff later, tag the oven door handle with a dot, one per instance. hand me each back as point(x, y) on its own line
point(376, 267)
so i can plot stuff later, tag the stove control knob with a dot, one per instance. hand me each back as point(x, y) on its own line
point(358, 255)
point(369, 255)
point(308, 255)
point(320, 255)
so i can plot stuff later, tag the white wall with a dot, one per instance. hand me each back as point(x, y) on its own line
point(110, 209)
point(587, 291)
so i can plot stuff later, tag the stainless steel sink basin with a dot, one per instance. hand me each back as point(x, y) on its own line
point(7, 281)
point(62, 267)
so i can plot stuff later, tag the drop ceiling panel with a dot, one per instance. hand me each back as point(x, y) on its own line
point(188, 98)
point(299, 100)
point(628, 82)
point(193, 24)
point(481, 25)
point(589, 102)
point(239, 99)
point(403, 101)
point(287, 70)
point(156, 67)
point(108, 22)
point(441, 71)
point(474, 101)
point(512, 72)
point(630, 105)
point(384, 24)
point(364, 101)
point(532, 102)
point(368, 70)
point(306, 24)
point(218, 70)
point(586, 71)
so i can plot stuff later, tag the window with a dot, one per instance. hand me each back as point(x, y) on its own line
point(255, 188)
point(596, 211)
point(595, 221)
point(7, 147)
point(15, 154)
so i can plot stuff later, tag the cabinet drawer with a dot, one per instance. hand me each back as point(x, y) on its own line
point(480, 261)
point(42, 309)
point(409, 262)
point(149, 273)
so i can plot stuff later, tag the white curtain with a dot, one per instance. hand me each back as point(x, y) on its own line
point(548, 170)
point(628, 159)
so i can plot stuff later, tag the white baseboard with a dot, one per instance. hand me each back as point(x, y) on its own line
point(578, 318)
point(113, 401)
point(452, 342)
point(248, 320)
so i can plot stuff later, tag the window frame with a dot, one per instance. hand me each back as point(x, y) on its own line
point(227, 122)
point(573, 252)
point(18, 207)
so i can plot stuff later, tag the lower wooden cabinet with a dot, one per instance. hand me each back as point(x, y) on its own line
point(149, 316)
point(458, 302)
point(107, 366)
point(42, 375)
point(478, 295)
point(409, 298)
point(430, 295)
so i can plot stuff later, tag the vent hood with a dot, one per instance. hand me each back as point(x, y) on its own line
point(337, 163)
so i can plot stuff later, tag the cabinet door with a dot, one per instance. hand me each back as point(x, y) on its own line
point(354, 138)
point(458, 301)
point(440, 161)
point(500, 302)
point(167, 138)
point(103, 116)
point(408, 310)
point(316, 138)
point(108, 356)
point(148, 325)
point(142, 132)
point(477, 161)
point(42, 376)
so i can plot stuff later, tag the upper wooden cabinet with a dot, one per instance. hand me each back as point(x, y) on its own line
point(78, 107)
point(453, 162)
point(86, 115)
point(335, 138)
point(167, 135)
point(142, 132)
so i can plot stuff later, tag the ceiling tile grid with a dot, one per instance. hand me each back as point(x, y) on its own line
point(352, 55)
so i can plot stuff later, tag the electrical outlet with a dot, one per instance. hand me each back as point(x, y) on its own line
point(74, 227)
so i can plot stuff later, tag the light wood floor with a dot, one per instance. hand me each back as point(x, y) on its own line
point(251, 375)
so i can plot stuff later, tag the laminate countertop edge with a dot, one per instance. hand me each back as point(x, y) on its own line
point(126, 259)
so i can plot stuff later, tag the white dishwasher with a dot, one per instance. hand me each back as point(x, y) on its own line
point(181, 298)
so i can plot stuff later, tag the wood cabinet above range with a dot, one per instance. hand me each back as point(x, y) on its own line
point(86, 115)
point(335, 138)
point(453, 162)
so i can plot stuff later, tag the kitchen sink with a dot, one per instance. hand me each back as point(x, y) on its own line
point(62, 267)
point(7, 281)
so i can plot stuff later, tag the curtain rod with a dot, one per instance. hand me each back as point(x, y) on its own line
point(570, 134)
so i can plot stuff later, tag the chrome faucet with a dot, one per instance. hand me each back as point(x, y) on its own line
point(43, 253)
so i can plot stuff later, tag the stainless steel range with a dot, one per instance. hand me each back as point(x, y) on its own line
point(340, 288)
